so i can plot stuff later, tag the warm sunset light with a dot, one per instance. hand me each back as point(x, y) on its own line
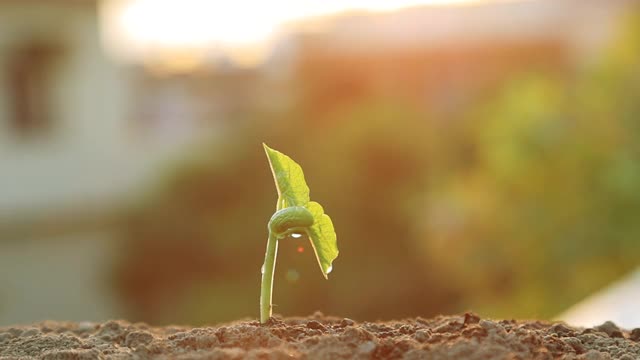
point(186, 31)
point(471, 182)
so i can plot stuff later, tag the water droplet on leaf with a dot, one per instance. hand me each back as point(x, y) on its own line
point(296, 235)
point(329, 269)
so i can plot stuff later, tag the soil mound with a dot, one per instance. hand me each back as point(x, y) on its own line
point(320, 337)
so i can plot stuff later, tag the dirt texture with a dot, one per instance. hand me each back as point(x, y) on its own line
point(319, 337)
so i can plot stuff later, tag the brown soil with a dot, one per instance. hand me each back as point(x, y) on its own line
point(319, 337)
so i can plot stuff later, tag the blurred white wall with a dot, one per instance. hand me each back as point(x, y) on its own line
point(86, 158)
point(618, 302)
point(74, 157)
point(59, 278)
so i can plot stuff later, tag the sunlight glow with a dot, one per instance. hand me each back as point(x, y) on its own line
point(190, 30)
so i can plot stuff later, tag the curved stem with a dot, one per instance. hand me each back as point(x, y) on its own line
point(268, 269)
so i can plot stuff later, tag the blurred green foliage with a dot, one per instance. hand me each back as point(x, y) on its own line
point(519, 207)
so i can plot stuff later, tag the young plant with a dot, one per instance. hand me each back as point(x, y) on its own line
point(295, 215)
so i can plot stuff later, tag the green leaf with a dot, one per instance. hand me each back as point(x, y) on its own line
point(293, 191)
point(323, 238)
point(289, 178)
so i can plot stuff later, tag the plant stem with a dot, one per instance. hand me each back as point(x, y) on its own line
point(268, 269)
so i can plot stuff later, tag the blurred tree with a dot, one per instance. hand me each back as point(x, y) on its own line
point(550, 209)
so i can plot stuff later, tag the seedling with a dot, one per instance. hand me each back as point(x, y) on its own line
point(295, 215)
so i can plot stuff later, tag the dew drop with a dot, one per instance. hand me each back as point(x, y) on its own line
point(262, 269)
point(329, 269)
point(296, 235)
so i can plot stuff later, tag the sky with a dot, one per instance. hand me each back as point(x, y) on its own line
point(138, 28)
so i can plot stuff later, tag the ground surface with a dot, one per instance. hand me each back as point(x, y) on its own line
point(319, 337)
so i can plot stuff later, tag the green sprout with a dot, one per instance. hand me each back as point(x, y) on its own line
point(295, 215)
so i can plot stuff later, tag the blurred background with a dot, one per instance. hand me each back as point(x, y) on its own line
point(474, 155)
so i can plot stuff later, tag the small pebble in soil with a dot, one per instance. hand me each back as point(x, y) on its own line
point(562, 330)
point(610, 329)
point(406, 329)
point(346, 322)
point(137, 338)
point(422, 335)
point(576, 344)
point(471, 318)
point(313, 324)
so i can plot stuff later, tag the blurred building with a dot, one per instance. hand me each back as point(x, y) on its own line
point(78, 137)
point(81, 137)
point(617, 302)
point(62, 107)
